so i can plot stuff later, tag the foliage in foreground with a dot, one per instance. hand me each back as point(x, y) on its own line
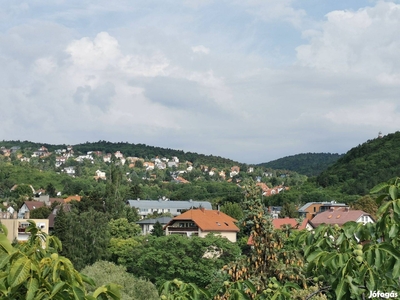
point(34, 270)
point(103, 272)
point(343, 263)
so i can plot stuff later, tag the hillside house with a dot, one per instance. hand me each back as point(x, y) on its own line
point(17, 228)
point(147, 225)
point(146, 207)
point(200, 222)
point(311, 209)
point(288, 222)
point(340, 216)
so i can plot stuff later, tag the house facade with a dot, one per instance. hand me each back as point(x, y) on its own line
point(200, 222)
point(146, 207)
point(340, 216)
point(147, 225)
point(311, 209)
point(17, 228)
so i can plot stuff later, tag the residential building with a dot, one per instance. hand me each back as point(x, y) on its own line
point(147, 225)
point(70, 171)
point(340, 216)
point(200, 222)
point(100, 175)
point(27, 207)
point(290, 222)
point(311, 209)
point(146, 207)
point(17, 228)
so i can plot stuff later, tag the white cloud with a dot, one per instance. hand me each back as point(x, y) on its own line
point(146, 74)
point(365, 41)
point(200, 49)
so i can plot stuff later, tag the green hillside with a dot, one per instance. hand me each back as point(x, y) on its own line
point(130, 149)
point(310, 164)
point(364, 166)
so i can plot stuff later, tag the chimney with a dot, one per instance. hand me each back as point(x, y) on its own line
point(202, 209)
point(346, 209)
point(15, 215)
point(331, 209)
point(26, 216)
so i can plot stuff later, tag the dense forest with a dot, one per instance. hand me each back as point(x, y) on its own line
point(310, 164)
point(364, 166)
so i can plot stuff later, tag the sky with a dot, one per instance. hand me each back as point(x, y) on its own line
point(249, 80)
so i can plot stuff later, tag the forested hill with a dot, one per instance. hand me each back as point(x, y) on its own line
point(364, 166)
point(134, 150)
point(310, 164)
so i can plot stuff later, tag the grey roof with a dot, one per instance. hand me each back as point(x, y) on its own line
point(168, 204)
point(305, 206)
point(162, 220)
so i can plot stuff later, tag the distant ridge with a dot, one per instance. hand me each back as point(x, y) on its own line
point(364, 166)
point(130, 149)
point(310, 164)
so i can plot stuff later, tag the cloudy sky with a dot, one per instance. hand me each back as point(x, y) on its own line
point(249, 80)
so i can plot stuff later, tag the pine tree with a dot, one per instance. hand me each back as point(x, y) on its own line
point(157, 229)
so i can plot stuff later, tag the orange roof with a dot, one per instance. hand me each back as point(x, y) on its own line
point(70, 198)
point(279, 223)
point(208, 220)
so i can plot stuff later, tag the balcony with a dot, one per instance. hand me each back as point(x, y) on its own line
point(183, 229)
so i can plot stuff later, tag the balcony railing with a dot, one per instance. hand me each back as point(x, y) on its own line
point(182, 229)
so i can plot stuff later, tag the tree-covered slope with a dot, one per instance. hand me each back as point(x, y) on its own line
point(364, 166)
point(310, 164)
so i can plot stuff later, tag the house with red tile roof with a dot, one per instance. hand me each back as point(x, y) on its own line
point(340, 216)
point(311, 209)
point(291, 222)
point(27, 207)
point(200, 222)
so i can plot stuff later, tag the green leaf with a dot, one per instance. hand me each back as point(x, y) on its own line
point(4, 259)
point(378, 188)
point(396, 269)
point(378, 258)
point(78, 293)
point(5, 243)
point(87, 279)
point(396, 206)
point(393, 192)
point(390, 250)
point(315, 255)
point(19, 271)
point(371, 280)
point(341, 289)
point(57, 287)
point(33, 286)
point(394, 229)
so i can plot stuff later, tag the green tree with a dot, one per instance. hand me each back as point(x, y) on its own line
point(157, 229)
point(86, 237)
point(51, 190)
point(61, 225)
point(352, 260)
point(271, 262)
point(122, 228)
point(40, 213)
point(174, 256)
point(103, 272)
point(288, 210)
point(367, 204)
point(34, 270)
point(233, 209)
